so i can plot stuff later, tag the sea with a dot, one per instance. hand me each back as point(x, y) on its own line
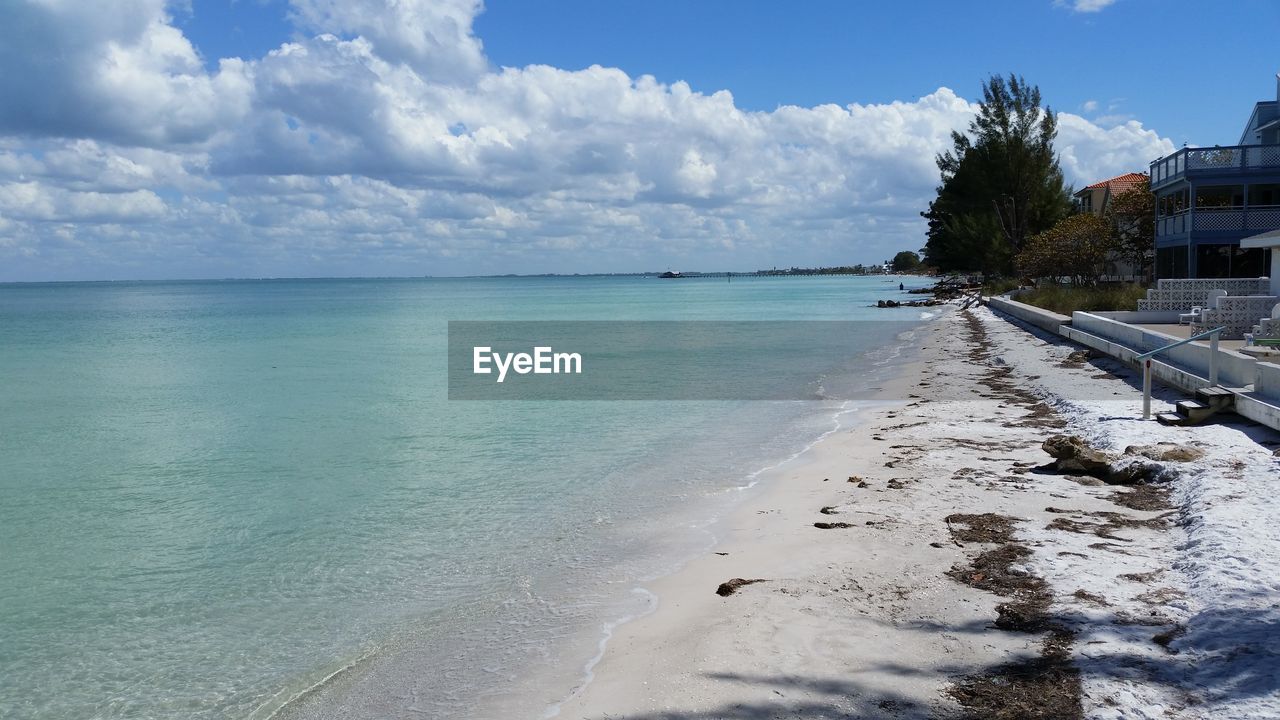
point(254, 499)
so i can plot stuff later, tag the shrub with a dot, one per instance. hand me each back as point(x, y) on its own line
point(1076, 248)
point(1065, 299)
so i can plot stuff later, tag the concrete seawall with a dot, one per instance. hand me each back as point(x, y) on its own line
point(1030, 314)
point(1186, 367)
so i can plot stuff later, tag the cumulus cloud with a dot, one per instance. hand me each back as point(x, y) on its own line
point(381, 142)
point(37, 201)
point(118, 71)
point(1090, 153)
point(432, 36)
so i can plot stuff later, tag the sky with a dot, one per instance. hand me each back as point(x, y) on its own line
point(155, 139)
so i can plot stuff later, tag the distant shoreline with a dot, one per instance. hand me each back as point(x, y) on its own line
point(692, 275)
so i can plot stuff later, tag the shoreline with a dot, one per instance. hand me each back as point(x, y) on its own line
point(889, 393)
point(925, 561)
point(524, 693)
point(761, 482)
point(957, 577)
point(686, 605)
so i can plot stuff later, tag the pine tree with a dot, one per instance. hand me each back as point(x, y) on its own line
point(1001, 183)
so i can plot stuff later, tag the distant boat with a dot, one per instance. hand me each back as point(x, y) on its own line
point(670, 274)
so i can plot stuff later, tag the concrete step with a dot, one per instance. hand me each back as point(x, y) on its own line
point(1187, 407)
point(1196, 411)
point(1218, 397)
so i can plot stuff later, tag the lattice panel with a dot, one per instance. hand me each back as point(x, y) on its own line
point(1209, 158)
point(1210, 220)
point(1263, 156)
point(1239, 314)
point(1264, 219)
point(1267, 328)
point(1202, 286)
point(1182, 294)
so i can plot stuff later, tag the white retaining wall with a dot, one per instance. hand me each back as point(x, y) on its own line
point(1185, 367)
point(1030, 314)
point(1141, 317)
point(1268, 382)
point(1261, 405)
point(1234, 369)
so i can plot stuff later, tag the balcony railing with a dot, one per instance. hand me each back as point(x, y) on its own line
point(1172, 224)
point(1235, 158)
point(1257, 217)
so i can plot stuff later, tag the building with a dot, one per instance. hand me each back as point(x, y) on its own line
point(1208, 199)
point(1095, 198)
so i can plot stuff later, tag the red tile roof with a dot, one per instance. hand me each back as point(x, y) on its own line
point(1120, 183)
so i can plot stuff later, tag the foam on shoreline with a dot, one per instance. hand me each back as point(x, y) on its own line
point(891, 378)
point(521, 692)
point(886, 377)
point(886, 612)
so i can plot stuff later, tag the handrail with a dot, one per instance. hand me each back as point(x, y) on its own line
point(1145, 358)
point(1227, 158)
point(1172, 345)
point(1211, 148)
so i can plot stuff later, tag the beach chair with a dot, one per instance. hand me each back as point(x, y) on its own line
point(1201, 320)
point(1267, 327)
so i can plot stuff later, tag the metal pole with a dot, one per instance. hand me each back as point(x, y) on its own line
point(1146, 389)
point(1213, 359)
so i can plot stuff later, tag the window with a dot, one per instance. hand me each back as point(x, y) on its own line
point(1171, 262)
point(1252, 262)
point(1264, 195)
point(1220, 196)
point(1230, 261)
point(1213, 261)
point(1173, 202)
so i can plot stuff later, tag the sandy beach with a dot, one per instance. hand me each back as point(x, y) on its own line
point(927, 562)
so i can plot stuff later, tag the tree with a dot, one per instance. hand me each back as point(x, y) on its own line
point(1076, 248)
point(905, 261)
point(1132, 216)
point(1001, 182)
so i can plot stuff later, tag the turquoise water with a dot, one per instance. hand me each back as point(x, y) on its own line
point(213, 495)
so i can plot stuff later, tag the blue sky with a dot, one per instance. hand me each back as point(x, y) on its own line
point(1135, 55)
point(220, 138)
point(835, 51)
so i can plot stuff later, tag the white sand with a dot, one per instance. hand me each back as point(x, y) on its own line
point(863, 622)
point(853, 622)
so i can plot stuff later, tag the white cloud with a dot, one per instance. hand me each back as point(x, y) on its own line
point(385, 143)
point(1090, 106)
point(1086, 6)
point(118, 71)
point(38, 201)
point(432, 36)
point(1090, 153)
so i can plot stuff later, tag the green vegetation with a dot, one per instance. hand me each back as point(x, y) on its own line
point(858, 269)
point(1076, 248)
point(905, 261)
point(1080, 246)
point(1132, 217)
point(1065, 299)
point(999, 286)
point(1001, 183)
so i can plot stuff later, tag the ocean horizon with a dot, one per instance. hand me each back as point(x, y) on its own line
point(223, 496)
